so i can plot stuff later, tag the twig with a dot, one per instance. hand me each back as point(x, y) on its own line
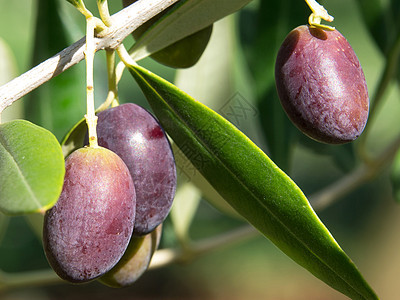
point(360, 175)
point(123, 23)
point(160, 259)
point(10, 281)
point(166, 257)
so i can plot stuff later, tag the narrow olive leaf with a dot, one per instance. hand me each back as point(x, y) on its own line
point(252, 184)
point(31, 168)
point(189, 17)
point(188, 174)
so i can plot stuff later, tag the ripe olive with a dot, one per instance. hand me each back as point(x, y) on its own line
point(88, 230)
point(321, 85)
point(135, 135)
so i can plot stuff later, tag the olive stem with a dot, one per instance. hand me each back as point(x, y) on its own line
point(319, 13)
point(80, 6)
point(112, 95)
point(91, 118)
point(102, 6)
point(126, 59)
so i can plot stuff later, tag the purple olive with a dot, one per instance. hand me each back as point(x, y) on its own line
point(136, 136)
point(88, 230)
point(321, 85)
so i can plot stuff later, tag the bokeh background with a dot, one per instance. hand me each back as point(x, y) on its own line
point(237, 68)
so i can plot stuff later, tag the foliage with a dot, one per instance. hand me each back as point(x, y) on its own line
point(212, 149)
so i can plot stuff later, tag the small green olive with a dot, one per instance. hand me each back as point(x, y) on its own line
point(135, 261)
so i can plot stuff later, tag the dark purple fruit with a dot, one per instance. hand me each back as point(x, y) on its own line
point(135, 135)
point(181, 54)
point(321, 85)
point(88, 230)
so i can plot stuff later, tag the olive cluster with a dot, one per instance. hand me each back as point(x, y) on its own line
point(107, 221)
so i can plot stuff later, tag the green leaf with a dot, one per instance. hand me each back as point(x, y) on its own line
point(8, 71)
point(263, 30)
point(188, 17)
point(4, 220)
point(252, 184)
point(31, 168)
point(280, 133)
point(75, 138)
point(184, 208)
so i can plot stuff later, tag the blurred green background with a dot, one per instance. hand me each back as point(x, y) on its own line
point(237, 66)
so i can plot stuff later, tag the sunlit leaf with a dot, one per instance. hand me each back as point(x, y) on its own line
point(190, 16)
point(187, 173)
point(252, 184)
point(31, 168)
point(219, 94)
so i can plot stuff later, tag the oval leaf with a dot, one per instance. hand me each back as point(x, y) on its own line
point(252, 184)
point(188, 17)
point(31, 168)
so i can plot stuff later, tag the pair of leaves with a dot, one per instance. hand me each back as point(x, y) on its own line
point(252, 184)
